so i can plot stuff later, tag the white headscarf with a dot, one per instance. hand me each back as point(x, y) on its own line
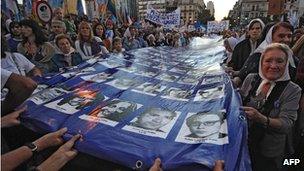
point(258, 20)
point(285, 75)
point(267, 41)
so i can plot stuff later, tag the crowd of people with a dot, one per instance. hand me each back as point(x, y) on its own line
point(267, 66)
point(266, 62)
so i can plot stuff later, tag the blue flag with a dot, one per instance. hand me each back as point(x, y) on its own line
point(173, 103)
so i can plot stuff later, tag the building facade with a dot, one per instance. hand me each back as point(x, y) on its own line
point(251, 9)
point(294, 7)
point(210, 7)
point(190, 9)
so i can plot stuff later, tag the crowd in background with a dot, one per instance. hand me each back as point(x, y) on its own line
point(256, 53)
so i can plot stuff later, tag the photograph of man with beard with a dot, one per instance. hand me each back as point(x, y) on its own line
point(77, 101)
point(115, 110)
point(154, 119)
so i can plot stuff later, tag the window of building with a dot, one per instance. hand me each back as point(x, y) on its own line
point(190, 13)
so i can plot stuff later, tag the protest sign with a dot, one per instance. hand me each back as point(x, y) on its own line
point(168, 20)
point(215, 26)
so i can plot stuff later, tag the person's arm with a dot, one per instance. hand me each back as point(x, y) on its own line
point(36, 72)
point(64, 154)
point(20, 88)
point(11, 160)
point(12, 119)
point(287, 116)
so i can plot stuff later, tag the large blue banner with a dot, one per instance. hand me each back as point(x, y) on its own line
point(172, 103)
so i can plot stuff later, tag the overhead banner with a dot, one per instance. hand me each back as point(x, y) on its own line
point(215, 26)
point(173, 103)
point(168, 20)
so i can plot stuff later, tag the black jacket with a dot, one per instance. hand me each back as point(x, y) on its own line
point(240, 54)
point(252, 66)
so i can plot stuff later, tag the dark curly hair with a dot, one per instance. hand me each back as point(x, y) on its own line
point(40, 37)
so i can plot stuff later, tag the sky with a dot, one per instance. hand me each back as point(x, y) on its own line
point(222, 7)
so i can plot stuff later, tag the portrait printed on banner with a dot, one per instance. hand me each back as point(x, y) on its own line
point(167, 77)
point(99, 77)
point(77, 101)
point(212, 80)
point(156, 122)
point(87, 70)
point(210, 94)
point(190, 80)
point(39, 88)
point(112, 113)
point(110, 63)
point(177, 94)
point(179, 70)
point(161, 66)
point(129, 69)
point(204, 127)
point(195, 73)
point(146, 73)
point(123, 83)
point(47, 95)
point(149, 88)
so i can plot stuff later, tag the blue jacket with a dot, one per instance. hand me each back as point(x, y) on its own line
point(58, 61)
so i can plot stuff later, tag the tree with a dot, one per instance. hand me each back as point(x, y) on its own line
point(204, 16)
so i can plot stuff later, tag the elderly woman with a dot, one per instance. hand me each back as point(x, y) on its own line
point(271, 102)
point(229, 44)
point(87, 45)
point(66, 55)
point(35, 46)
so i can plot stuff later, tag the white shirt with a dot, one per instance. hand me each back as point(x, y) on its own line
point(5, 74)
point(16, 63)
point(87, 50)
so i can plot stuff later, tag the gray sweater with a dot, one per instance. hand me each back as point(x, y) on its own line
point(276, 141)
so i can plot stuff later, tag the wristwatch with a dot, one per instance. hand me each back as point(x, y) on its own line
point(32, 147)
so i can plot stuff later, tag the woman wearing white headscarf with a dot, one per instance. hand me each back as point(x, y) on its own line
point(271, 102)
point(247, 46)
point(279, 33)
point(229, 45)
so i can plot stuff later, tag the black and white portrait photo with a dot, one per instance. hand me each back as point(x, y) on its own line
point(149, 88)
point(110, 63)
point(167, 77)
point(190, 80)
point(210, 94)
point(177, 94)
point(112, 113)
point(212, 80)
point(47, 95)
point(99, 77)
point(156, 122)
point(204, 127)
point(123, 83)
point(77, 101)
